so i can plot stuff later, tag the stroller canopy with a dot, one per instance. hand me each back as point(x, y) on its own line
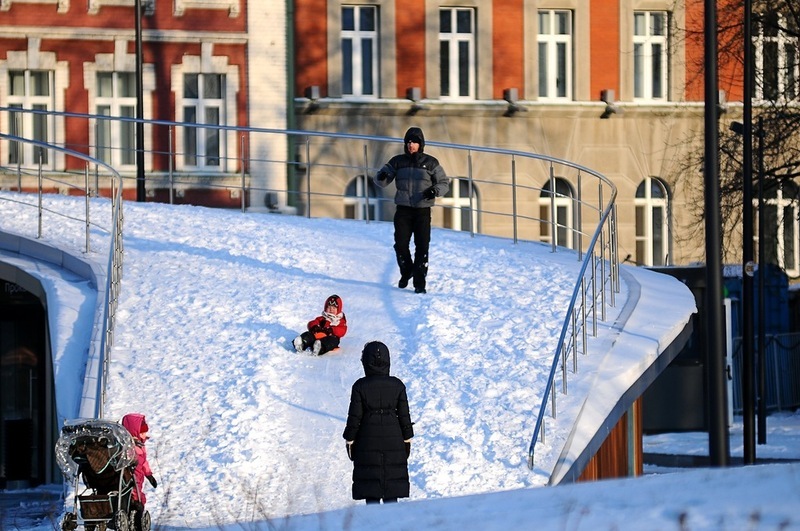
point(115, 441)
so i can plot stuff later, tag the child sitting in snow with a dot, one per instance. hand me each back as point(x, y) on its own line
point(136, 424)
point(324, 331)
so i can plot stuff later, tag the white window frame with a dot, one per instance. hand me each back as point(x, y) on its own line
point(552, 44)
point(451, 43)
point(787, 210)
point(118, 155)
point(787, 56)
point(646, 42)
point(558, 212)
point(454, 203)
point(25, 124)
point(358, 202)
point(647, 208)
point(200, 136)
point(359, 40)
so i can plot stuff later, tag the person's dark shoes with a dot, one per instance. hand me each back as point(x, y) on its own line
point(403, 282)
point(420, 290)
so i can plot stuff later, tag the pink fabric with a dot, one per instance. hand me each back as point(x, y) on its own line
point(135, 423)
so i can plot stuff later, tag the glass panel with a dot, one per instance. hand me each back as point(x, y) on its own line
point(658, 236)
point(464, 20)
point(444, 68)
point(40, 85)
point(542, 69)
point(17, 83)
point(658, 23)
point(348, 19)
point(657, 72)
point(463, 69)
point(105, 84)
point(770, 234)
point(790, 90)
point(770, 71)
point(561, 69)
point(464, 218)
point(212, 137)
point(544, 22)
point(127, 134)
point(212, 86)
point(127, 84)
point(347, 66)
point(638, 71)
point(445, 21)
point(15, 152)
point(190, 136)
point(367, 18)
point(639, 27)
point(104, 134)
point(640, 190)
point(40, 134)
point(562, 23)
point(657, 190)
point(641, 227)
point(562, 221)
point(366, 67)
point(190, 86)
point(544, 224)
point(771, 24)
point(641, 252)
point(789, 238)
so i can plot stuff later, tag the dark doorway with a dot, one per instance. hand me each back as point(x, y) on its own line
point(23, 388)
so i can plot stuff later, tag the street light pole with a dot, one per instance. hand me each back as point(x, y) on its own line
point(140, 188)
point(762, 406)
point(748, 380)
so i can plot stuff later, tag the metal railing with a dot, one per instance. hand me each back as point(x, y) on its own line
point(781, 372)
point(113, 277)
point(320, 165)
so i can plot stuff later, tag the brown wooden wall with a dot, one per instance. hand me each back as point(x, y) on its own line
point(611, 460)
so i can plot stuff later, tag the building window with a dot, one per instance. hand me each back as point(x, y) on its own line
point(775, 54)
point(116, 139)
point(456, 206)
point(204, 104)
point(30, 90)
point(556, 211)
point(555, 54)
point(355, 200)
point(359, 51)
point(781, 216)
point(650, 70)
point(457, 69)
point(652, 223)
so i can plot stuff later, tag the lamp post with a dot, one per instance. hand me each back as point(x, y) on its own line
point(140, 189)
point(762, 407)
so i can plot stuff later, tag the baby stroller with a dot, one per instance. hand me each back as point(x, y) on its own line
point(102, 454)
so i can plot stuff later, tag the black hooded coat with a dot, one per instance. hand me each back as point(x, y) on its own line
point(379, 422)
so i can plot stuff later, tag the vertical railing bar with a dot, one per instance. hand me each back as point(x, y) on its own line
point(574, 343)
point(308, 177)
point(594, 295)
point(580, 216)
point(515, 218)
point(583, 313)
point(602, 258)
point(244, 186)
point(366, 183)
point(171, 166)
point(469, 191)
point(40, 195)
point(553, 222)
point(19, 175)
point(87, 196)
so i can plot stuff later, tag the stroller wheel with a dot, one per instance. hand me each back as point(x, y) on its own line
point(145, 521)
point(69, 522)
point(121, 521)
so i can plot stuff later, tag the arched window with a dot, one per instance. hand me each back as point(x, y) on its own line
point(558, 211)
point(781, 227)
point(652, 223)
point(355, 200)
point(456, 206)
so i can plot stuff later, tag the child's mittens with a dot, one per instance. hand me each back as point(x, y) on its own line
point(152, 481)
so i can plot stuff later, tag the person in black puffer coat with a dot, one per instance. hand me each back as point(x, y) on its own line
point(379, 430)
point(419, 179)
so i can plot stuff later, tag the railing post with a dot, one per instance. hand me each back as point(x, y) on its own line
point(19, 176)
point(469, 191)
point(243, 183)
point(553, 221)
point(580, 217)
point(308, 177)
point(602, 257)
point(366, 184)
point(514, 196)
point(87, 196)
point(583, 313)
point(171, 164)
point(40, 195)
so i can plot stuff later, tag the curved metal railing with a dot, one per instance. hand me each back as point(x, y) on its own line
point(597, 282)
point(113, 276)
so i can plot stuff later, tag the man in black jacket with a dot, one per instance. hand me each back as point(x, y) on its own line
point(419, 179)
point(379, 430)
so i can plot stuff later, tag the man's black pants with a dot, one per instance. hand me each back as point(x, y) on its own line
point(410, 221)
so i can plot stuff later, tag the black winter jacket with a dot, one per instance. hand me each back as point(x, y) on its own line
point(413, 174)
point(379, 422)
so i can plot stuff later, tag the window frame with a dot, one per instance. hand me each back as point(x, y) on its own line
point(644, 235)
point(202, 137)
point(787, 75)
point(358, 36)
point(356, 204)
point(551, 40)
point(785, 209)
point(452, 41)
point(456, 206)
point(29, 124)
point(644, 75)
point(551, 208)
point(119, 154)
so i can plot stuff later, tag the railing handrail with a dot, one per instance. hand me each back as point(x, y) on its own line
point(113, 264)
point(604, 208)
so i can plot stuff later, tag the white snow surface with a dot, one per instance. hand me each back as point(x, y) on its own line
point(246, 432)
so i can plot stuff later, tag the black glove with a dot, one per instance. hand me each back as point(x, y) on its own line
point(349, 446)
point(429, 193)
point(152, 481)
point(408, 449)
